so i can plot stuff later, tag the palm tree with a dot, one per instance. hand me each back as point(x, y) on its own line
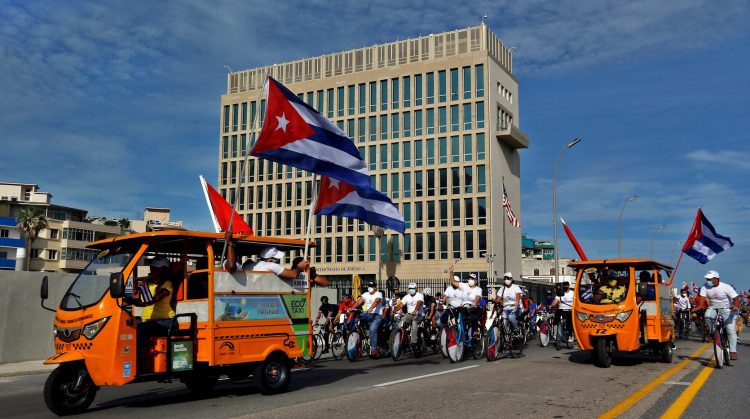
point(31, 221)
point(124, 224)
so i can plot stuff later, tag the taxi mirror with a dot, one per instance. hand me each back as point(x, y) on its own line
point(116, 285)
point(44, 291)
point(643, 289)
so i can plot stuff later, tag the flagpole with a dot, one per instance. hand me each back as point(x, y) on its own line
point(505, 247)
point(253, 131)
point(310, 219)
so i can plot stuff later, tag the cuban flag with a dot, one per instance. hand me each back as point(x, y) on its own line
point(365, 203)
point(295, 134)
point(703, 243)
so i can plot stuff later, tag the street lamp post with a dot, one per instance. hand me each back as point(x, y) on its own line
point(658, 228)
point(490, 260)
point(378, 232)
point(554, 206)
point(619, 225)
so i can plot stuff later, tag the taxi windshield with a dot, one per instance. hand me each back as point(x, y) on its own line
point(91, 284)
point(604, 285)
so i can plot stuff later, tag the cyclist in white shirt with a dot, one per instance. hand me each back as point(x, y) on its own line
point(509, 298)
point(413, 301)
point(372, 313)
point(721, 298)
point(683, 301)
point(472, 295)
point(564, 306)
point(453, 297)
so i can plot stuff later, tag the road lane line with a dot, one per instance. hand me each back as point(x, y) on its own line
point(679, 406)
point(634, 398)
point(424, 376)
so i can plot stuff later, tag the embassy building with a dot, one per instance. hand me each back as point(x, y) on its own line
point(436, 120)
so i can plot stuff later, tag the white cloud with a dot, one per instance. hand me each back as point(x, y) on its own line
point(721, 158)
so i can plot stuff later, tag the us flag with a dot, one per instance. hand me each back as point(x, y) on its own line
point(512, 219)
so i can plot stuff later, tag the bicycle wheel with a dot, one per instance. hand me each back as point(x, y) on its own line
point(338, 345)
point(354, 347)
point(718, 349)
point(319, 346)
point(397, 348)
point(544, 332)
point(454, 344)
point(479, 346)
point(444, 342)
point(522, 339)
point(725, 345)
point(493, 344)
point(419, 347)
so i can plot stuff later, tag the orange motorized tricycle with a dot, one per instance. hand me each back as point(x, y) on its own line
point(623, 305)
point(233, 324)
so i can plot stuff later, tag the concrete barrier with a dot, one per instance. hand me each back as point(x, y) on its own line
point(25, 327)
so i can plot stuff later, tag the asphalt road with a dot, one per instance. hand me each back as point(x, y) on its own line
point(544, 383)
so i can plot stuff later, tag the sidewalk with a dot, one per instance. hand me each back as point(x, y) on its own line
point(25, 368)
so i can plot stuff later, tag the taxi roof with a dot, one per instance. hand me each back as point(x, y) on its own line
point(632, 261)
point(175, 240)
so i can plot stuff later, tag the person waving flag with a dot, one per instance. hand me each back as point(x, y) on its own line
point(295, 134)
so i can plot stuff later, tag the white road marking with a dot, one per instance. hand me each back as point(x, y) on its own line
point(677, 383)
point(424, 376)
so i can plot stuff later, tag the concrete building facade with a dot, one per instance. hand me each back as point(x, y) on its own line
point(435, 118)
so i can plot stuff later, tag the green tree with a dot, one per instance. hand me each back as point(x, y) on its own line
point(31, 221)
point(124, 224)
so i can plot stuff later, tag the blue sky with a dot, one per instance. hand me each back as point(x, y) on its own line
point(114, 106)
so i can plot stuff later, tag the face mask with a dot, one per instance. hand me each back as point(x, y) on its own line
point(370, 289)
point(709, 284)
point(412, 292)
point(508, 282)
point(472, 282)
point(684, 295)
point(612, 283)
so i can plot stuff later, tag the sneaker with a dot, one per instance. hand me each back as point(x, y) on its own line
point(733, 356)
point(374, 354)
point(674, 346)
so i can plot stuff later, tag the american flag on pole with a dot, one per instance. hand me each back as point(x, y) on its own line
point(512, 219)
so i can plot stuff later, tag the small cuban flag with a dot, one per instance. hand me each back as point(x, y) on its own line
point(703, 242)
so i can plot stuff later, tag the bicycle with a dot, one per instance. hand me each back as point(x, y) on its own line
point(497, 338)
point(683, 324)
point(358, 341)
point(400, 339)
point(546, 327)
point(455, 336)
point(721, 342)
point(701, 326)
point(318, 344)
point(562, 334)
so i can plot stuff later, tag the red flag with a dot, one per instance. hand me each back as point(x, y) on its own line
point(221, 211)
point(573, 240)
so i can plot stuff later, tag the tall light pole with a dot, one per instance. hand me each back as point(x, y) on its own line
point(554, 205)
point(619, 225)
point(378, 232)
point(658, 228)
point(490, 259)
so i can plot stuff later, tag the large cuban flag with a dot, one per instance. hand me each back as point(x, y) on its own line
point(295, 134)
point(364, 203)
point(704, 243)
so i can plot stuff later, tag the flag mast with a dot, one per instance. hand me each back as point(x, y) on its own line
point(505, 247)
point(311, 215)
point(682, 252)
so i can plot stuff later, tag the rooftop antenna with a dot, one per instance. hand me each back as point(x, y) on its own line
point(484, 19)
point(229, 70)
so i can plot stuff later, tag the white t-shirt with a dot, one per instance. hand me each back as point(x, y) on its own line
point(410, 301)
point(683, 303)
point(509, 295)
point(262, 266)
point(566, 301)
point(470, 293)
point(370, 300)
point(455, 296)
point(720, 296)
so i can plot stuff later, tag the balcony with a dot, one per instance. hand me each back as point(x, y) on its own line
point(8, 242)
point(7, 264)
point(511, 135)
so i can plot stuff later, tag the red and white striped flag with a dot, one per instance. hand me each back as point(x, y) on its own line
point(512, 219)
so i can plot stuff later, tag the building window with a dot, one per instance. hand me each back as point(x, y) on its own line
point(53, 233)
point(431, 214)
point(418, 215)
point(362, 88)
point(431, 246)
point(360, 249)
point(226, 118)
point(442, 119)
point(418, 90)
point(407, 184)
point(407, 124)
point(480, 114)
point(430, 144)
point(394, 186)
point(244, 115)
point(443, 245)
point(441, 85)
point(480, 146)
point(329, 103)
point(373, 128)
point(384, 156)
point(339, 249)
point(479, 76)
point(350, 249)
point(456, 241)
point(419, 249)
point(373, 96)
point(454, 84)
point(396, 92)
point(395, 131)
point(372, 248)
point(418, 153)
point(469, 211)
point(4, 232)
point(362, 130)
point(482, 239)
point(467, 82)
point(456, 212)
point(384, 183)
point(442, 150)
point(443, 204)
point(454, 118)
point(430, 88)
point(373, 157)
point(395, 248)
point(468, 180)
point(407, 247)
point(481, 211)
point(469, 241)
point(407, 91)
point(340, 101)
point(351, 94)
point(407, 214)
point(225, 148)
point(78, 234)
point(481, 180)
point(443, 182)
point(418, 122)
point(431, 182)
point(383, 95)
point(328, 250)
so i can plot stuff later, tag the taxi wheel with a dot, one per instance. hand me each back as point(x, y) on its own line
point(60, 392)
point(273, 375)
point(667, 353)
point(602, 357)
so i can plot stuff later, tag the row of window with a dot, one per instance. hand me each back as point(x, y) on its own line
point(375, 96)
point(78, 234)
point(397, 248)
point(430, 182)
point(454, 149)
point(460, 212)
point(374, 128)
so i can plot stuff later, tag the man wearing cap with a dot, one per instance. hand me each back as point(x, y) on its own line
point(269, 260)
point(509, 299)
point(721, 298)
point(472, 296)
point(372, 313)
point(413, 301)
point(453, 297)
